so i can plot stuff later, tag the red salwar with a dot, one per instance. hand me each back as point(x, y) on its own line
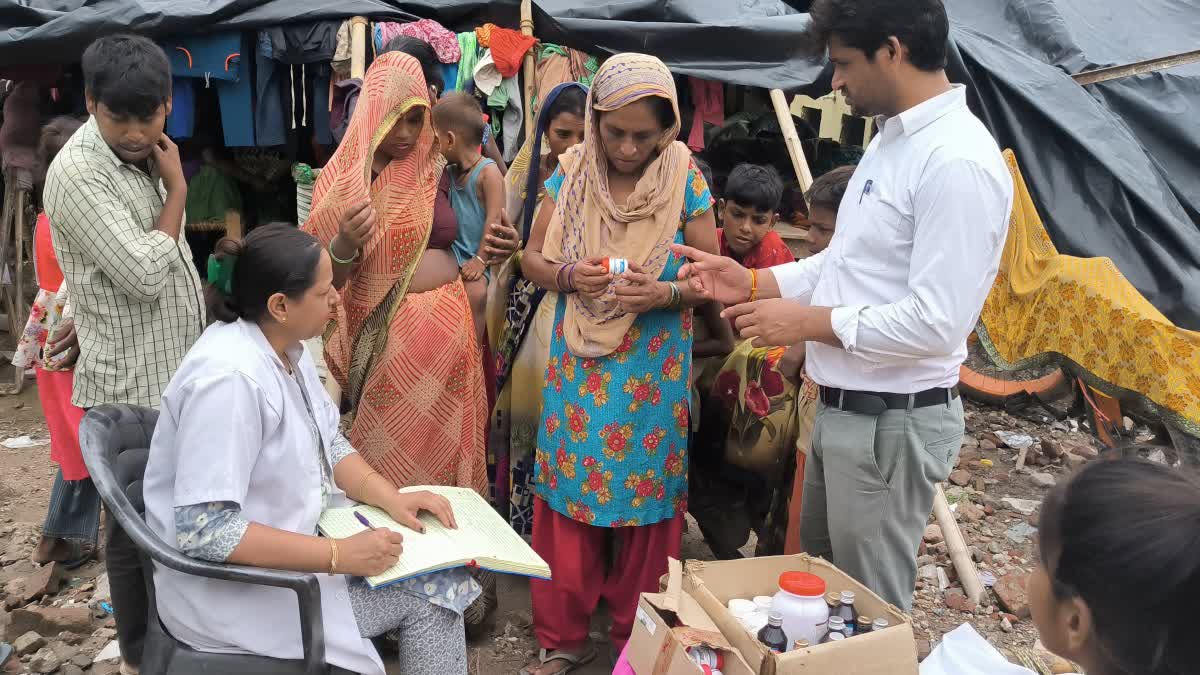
point(563, 608)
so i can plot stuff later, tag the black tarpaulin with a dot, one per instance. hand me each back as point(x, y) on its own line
point(57, 31)
point(1112, 166)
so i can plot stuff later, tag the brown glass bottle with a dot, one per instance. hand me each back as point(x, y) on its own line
point(772, 634)
point(847, 612)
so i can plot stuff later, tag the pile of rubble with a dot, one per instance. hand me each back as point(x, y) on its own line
point(1005, 467)
point(57, 621)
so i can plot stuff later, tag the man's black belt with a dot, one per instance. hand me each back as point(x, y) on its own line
point(875, 402)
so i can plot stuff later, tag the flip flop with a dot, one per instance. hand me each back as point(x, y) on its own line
point(574, 661)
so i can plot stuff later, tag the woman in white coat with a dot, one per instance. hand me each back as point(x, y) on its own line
point(246, 456)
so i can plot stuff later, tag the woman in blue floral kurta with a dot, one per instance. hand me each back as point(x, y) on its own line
point(611, 455)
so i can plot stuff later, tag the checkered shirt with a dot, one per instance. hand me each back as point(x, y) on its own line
point(137, 299)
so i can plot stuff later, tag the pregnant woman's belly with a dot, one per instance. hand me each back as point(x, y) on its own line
point(436, 268)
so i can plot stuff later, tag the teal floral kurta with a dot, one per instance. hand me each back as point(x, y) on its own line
point(612, 447)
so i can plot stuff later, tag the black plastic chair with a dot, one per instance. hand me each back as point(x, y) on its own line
point(115, 440)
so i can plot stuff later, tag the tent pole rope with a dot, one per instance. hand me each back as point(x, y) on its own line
point(796, 151)
point(530, 66)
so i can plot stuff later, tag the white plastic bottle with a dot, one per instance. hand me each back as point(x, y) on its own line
point(801, 601)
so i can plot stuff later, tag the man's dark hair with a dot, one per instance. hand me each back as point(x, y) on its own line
point(919, 25)
point(754, 186)
point(827, 190)
point(129, 74)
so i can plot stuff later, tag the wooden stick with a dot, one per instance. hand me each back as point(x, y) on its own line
point(1129, 70)
point(1021, 457)
point(530, 67)
point(959, 555)
point(358, 47)
point(792, 139)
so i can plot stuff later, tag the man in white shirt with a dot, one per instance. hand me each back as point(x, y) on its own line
point(887, 308)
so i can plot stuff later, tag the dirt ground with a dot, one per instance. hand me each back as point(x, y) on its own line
point(999, 531)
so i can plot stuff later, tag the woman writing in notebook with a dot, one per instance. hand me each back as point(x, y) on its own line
point(247, 455)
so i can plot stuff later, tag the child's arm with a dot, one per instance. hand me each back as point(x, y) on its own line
point(491, 190)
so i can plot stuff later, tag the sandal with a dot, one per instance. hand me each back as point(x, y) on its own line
point(574, 661)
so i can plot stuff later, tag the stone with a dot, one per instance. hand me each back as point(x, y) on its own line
point(1006, 625)
point(45, 580)
point(70, 669)
point(1073, 461)
point(113, 668)
point(970, 512)
point(105, 633)
point(988, 446)
point(45, 661)
point(82, 660)
point(958, 601)
point(1010, 590)
point(933, 535)
point(53, 620)
point(960, 478)
point(925, 560)
point(923, 649)
point(28, 643)
point(977, 554)
point(994, 547)
point(1085, 451)
point(1021, 506)
point(1043, 480)
point(927, 572)
point(102, 593)
point(1020, 533)
point(1012, 618)
point(989, 510)
point(65, 652)
point(73, 639)
point(1051, 447)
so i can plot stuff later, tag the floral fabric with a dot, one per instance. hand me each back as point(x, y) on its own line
point(44, 316)
point(612, 444)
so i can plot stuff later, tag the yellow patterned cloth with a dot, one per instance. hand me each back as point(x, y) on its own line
point(1046, 303)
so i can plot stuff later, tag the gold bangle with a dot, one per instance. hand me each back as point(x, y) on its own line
point(333, 558)
point(362, 485)
point(753, 284)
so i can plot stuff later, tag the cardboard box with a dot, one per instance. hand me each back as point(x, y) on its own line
point(658, 647)
point(892, 651)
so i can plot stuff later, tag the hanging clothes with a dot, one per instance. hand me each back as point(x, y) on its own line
point(294, 70)
point(216, 61)
point(558, 65)
point(444, 42)
point(509, 48)
point(484, 35)
point(181, 122)
point(487, 77)
point(709, 100)
point(468, 44)
point(342, 52)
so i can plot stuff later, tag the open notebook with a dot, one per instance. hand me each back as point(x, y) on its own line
point(482, 539)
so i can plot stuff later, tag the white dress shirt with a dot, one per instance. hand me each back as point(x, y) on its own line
point(917, 246)
point(234, 427)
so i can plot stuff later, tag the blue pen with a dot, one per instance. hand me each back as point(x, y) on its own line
point(363, 519)
point(866, 190)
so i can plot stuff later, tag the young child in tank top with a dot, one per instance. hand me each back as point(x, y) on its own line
point(477, 192)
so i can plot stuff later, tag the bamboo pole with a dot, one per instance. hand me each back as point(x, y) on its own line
point(1131, 69)
point(358, 47)
point(959, 555)
point(792, 139)
point(530, 66)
